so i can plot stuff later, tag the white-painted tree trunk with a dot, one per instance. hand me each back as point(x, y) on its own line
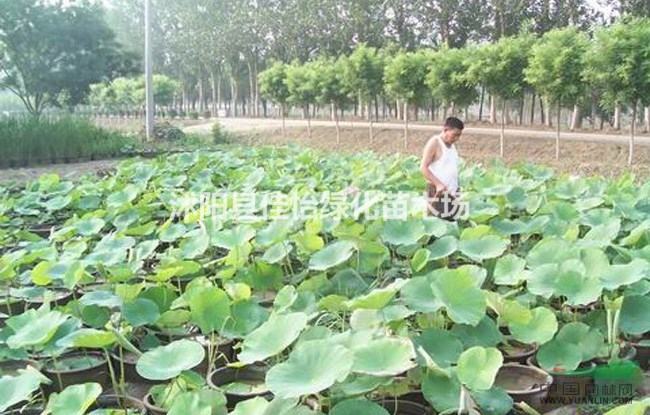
point(576, 118)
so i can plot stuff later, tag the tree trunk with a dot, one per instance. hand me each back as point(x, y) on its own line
point(233, 98)
point(338, 129)
point(284, 130)
point(251, 88)
point(256, 83)
point(398, 110)
point(493, 110)
point(542, 115)
point(521, 109)
point(617, 117)
point(219, 98)
point(213, 87)
point(592, 120)
point(576, 118)
point(406, 124)
point(370, 122)
point(632, 131)
point(480, 107)
point(532, 110)
point(503, 127)
point(557, 136)
point(201, 94)
point(308, 123)
point(647, 119)
point(549, 122)
point(376, 109)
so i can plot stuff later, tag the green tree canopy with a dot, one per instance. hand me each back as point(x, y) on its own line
point(50, 53)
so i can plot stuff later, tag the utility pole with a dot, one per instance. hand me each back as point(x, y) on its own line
point(148, 68)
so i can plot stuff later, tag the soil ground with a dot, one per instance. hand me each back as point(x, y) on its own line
point(608, 159)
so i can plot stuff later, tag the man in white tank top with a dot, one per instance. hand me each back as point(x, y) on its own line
point(439, 166)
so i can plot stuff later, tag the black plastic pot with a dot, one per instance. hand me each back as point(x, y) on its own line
point(11, 367)
point(13, 306)
point(126, 368)
point(44, 231)
point(564, 384)
point(251, 374)
point(224, 354)
point(26, 411)
point(119, 402)
point(401, 407)
point(170, 335)
point(520, 353)
point(626, 353)
point(95, 371)
point(642, 354)
point(527, 384)
point(152, 409)
point(61, 298)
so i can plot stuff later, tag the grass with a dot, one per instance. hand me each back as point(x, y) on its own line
point(30, 141)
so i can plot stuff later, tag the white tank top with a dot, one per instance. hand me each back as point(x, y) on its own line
point(446, 167)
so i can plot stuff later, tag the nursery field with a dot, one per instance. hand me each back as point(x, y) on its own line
point(287, 281)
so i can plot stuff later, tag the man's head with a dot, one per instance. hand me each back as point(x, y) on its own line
point(452, 129)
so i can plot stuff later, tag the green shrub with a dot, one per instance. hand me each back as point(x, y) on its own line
point(166, 131)
point(30, 140)
point(219, 135)
point(194, 115)
point(207, 114)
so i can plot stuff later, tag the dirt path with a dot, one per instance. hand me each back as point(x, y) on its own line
point(576, 157)
point(265, 124)
point(68, 171)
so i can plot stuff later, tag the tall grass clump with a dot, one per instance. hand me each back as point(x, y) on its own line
point(29, 141)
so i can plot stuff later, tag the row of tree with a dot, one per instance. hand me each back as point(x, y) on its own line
point(216, 48)
point(609, 71)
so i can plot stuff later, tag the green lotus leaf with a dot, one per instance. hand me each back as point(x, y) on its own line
point(482, 247)
point(272, 337)
point(173, 232)
point(167, 362)
point(358, 407)
point(199, 402)
point(494, 401)
point(74, 400)
point(332, 255)
point(558, 356)
point(478, 367)
point(485, 333)
point(384, 357)
point(540, 329)
point(443, 247)
point(19, 388)
point(90, 226)
point(509, 270)
point(634, 317)
point(277, 252)
point(457, 291)
point(549, 251)
point(441, 345)
point(210, 308)
point(88, 338)
point(234, 237)
point(601, 236)
point(441, 390)
point(403, 232)
point(616, 276)
point(140, 312)
point(311, 368)
point(34, 328)
point(420, 259)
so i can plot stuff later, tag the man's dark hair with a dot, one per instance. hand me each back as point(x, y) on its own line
point(453, 122)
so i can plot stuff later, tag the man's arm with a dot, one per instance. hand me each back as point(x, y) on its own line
point(430, 154)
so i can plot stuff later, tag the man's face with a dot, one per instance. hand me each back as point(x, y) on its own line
point(451, 135)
